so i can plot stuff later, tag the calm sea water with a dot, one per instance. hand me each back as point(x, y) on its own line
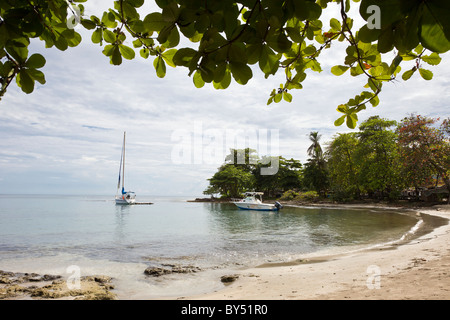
point(40, 232)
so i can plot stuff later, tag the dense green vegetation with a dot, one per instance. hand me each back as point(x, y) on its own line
point(225, 38)
point(379, 161)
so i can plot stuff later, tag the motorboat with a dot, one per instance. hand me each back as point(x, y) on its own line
point(253, 201)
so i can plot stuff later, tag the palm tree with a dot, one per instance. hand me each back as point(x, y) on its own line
point(315, 150)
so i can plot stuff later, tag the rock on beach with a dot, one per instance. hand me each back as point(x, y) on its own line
point(35, 286)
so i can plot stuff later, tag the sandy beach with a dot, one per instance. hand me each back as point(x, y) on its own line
point(418, 269)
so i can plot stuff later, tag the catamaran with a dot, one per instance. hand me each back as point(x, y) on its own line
point(253, 201)
point(124, 197)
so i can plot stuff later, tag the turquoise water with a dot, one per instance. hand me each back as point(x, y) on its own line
point(175, 231)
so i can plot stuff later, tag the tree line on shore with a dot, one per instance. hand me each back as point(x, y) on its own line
point(384, 160)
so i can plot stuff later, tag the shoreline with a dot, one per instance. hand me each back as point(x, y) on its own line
point(417, 269)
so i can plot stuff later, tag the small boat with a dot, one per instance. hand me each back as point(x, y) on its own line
point(125, 197)
point(253, 201)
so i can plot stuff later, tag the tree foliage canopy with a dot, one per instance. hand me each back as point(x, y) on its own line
point(379, 161)
point(228, 37)
point(384, 157)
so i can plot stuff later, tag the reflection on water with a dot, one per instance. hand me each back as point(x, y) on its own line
point(301, 230)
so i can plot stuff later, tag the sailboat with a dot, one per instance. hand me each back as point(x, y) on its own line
point(122, 196)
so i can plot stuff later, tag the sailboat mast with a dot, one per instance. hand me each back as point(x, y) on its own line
point(123, 162)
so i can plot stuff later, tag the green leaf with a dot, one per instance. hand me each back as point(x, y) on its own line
point(198, 80)
point(434, 27)
point(129, 11)
point(37, 75)
point(3, 35)
point(340, 121)
point(35, 61)
point(145, 53)
point(184, 56)
point(268, 61)
point(294, 34)
point(24, 81)
point(426, 74)
point(335, 24)
point(108, 50)
point(97, 36)
point(433, 59)
point(88, 24)
point(109, 36)
point(352, 119)
point(171, 12)
point(154, 22)
point(386, 40)
point(74, 41)
point(342, 108)
point(287, 96)
point(367, 35)
point(395, 63)
point(236, 53)
point(278, 97)
point(410, 38)
point(116, 57)
point(109, 20)
point(18, 49)
point(314, 10)
point(241, 72)
point(173, 38)
point(375, 101)
point(225, 82)
point(136, 3)
point(339, 70)
point(220, 71)
point(408, 74)
point(160, 67)
point(168, 57)
point(301, 9)
point(127, 52)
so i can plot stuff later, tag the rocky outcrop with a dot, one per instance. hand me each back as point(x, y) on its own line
point(22, 285)
point(227, 279)
point(170, 269)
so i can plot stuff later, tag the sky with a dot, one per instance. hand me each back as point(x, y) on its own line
point(66, 137)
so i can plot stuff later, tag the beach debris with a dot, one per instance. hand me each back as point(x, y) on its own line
point(418, 261)
point(170, 269)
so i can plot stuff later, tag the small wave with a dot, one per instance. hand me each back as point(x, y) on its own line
point(412, 231)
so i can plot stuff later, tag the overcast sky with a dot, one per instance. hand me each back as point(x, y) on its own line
point(66, 137)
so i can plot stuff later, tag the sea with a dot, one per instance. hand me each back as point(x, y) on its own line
point(56, 234)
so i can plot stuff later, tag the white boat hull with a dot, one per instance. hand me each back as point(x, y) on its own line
point(256, 206)
point(123, 200)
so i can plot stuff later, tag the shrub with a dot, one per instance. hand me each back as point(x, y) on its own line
point(308, 196)
point(289, 195)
